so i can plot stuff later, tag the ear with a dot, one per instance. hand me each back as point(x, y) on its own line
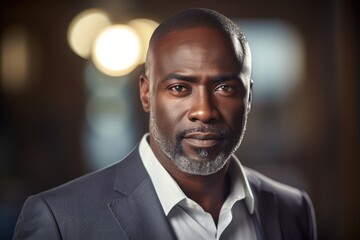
point(145, 92)
point(250, 97)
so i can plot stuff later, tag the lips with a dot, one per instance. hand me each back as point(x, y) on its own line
point(203, 139)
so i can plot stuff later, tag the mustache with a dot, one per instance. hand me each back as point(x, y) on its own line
point(203, 129)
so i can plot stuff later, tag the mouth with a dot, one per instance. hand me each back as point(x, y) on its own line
point(203, 139)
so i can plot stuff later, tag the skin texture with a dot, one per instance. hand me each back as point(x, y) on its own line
point(197, 89)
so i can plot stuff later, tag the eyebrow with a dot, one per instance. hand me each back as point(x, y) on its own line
point(193, 79)
point(179, 77)
point(227, 78)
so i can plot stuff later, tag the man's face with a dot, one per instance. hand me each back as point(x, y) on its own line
point(197, 90)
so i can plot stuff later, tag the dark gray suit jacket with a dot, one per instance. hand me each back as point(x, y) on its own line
point(119, 202)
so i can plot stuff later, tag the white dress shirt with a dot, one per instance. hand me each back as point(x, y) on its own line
point(188, 218)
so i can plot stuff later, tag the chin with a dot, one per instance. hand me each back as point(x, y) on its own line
point(200, 165)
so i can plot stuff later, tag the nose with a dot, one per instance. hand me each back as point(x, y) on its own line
point(202, 108)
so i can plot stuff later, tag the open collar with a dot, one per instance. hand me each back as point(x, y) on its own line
point(169, 192)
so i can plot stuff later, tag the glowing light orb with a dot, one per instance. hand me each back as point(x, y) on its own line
point(117, 50)
point(14, 59)
point(84, 29)
point(145, 28)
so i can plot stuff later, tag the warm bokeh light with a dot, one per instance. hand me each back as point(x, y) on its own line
point(145, 28)
point(117, 50)
point(84, 29)
point(14, 59)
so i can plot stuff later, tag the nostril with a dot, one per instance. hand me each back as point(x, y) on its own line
point(203, 115)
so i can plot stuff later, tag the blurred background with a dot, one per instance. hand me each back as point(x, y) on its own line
point(69, 101)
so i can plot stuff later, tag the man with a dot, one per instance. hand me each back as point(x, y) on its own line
point(183, 181)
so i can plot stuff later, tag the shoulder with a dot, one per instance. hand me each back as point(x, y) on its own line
point(79, 207)
point(97, 184)
point(91, 190)
point(93, 183)
point(292, 206)
point(260, 183)
point(46, 214)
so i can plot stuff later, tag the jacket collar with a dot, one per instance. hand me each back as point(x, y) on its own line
point(266, 218)
point(138, 211)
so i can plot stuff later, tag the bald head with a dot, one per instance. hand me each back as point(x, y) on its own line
point(198, 17)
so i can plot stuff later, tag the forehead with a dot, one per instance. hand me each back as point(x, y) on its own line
point(195, 48)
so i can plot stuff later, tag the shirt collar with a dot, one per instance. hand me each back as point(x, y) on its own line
point(166, 188)
point(240, 181)
point(169, 192)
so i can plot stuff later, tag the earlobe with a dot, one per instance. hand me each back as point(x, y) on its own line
point(145, 92)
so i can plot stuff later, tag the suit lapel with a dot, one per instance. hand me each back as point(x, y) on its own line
point(138, 212)
point(257, 224)
point(266, 216)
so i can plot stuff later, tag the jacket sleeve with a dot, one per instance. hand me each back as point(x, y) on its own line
point(36, 221)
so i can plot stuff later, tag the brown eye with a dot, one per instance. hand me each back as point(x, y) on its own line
point(225, 88)
point(178, 88)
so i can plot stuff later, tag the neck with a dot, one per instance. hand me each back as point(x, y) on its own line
point(210, 191)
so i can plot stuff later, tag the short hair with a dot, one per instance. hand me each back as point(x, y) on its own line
point(198, 17)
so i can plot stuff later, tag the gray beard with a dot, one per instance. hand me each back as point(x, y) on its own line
point(185, 163)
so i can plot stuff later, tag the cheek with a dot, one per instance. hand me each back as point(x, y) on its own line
point(233, 115)
point(167, 115)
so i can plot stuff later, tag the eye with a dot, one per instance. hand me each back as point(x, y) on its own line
point(178, 88)
point(227, 89)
